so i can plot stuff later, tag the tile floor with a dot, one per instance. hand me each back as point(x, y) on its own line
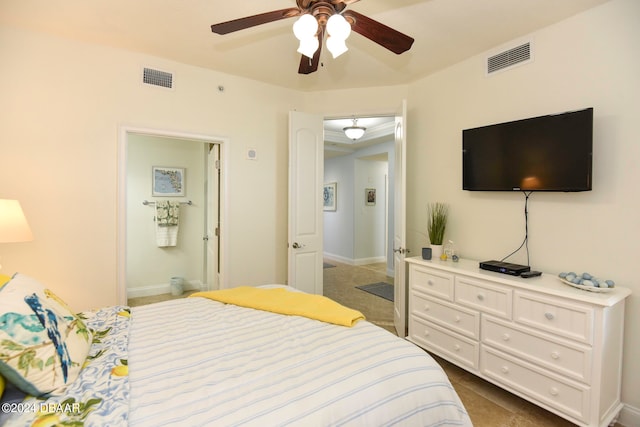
point(488, 405)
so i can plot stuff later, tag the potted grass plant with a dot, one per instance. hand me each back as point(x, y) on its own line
point(438, 214)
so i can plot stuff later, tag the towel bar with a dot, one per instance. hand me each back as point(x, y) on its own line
point(147, 203)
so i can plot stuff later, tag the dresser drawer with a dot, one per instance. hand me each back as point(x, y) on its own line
point(484, 296)
point(549, 389)
point(456, 348)
point(565, 318)
point(458, 319)
point(562, 356)
point(432, 282)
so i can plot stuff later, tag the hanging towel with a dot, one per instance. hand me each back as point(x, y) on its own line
point(167, 218)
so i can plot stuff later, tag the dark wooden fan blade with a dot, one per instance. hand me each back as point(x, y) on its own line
point(310, 65)
point(252, 21)
point(385, 36)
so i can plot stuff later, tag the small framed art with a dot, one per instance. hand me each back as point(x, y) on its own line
point(330, 194)
point(168, 181)
point(370, 196)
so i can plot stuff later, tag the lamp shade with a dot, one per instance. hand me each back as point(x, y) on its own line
point(13, 224)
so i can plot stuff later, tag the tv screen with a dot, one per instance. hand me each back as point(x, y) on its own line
point(547, 153)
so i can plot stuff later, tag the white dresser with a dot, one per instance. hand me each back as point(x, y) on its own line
point(554, 345)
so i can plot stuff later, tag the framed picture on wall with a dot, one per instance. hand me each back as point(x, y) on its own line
point(168, 181)
point(330, 194)
point(370, 196)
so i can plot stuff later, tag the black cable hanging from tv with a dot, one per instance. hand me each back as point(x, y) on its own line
point(525, 242)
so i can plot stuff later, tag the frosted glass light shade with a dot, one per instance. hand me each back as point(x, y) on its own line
point(13, 224)
point(338, 27)
point(306, 26)
point(354, 132)
point(309, 46)
point(336, 46)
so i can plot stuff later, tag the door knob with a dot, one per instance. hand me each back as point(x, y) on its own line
point(297, 245)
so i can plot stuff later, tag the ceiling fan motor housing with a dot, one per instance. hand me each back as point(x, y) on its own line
point(321, 10)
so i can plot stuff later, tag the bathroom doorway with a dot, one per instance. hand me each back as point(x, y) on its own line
point(146, 267)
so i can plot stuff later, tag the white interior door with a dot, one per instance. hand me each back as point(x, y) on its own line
point(399, 227)
point(212, 239)
point(306, 174)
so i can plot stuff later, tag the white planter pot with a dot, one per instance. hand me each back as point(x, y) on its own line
point(436, 251)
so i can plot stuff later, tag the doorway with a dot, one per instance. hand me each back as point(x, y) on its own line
point(359, 230)
point(145, 267)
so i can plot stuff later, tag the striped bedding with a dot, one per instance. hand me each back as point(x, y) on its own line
point(197, 362)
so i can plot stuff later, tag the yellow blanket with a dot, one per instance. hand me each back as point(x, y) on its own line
point(282, 301)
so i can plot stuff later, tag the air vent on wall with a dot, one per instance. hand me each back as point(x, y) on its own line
point(508, 58)
point(157, 78)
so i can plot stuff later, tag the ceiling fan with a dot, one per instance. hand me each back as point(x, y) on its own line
point(323, 12)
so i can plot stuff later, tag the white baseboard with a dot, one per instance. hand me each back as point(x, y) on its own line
point(372, 260)
point(163, 288)
point(338, 258)
point(629, 416)
point(351, 261)
point(361, 261)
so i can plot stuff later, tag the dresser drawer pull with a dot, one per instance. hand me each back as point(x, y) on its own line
point(430, 282)
point(506, 337)
point(456, 347)
point(555, 355)
point(426, 333)
point(457, 319)
point(549, 316)
point(480, 297)
point(554, 391)
point(426, 307)
point(505, 369)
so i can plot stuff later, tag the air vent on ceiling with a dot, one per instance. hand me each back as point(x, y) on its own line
point(508, 58)
point(157, 78)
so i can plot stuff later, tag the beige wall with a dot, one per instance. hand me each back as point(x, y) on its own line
point(62, 103)
point(590, 60)
point(586, 61)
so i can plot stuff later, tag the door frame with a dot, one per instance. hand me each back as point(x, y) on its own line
point(121, 214)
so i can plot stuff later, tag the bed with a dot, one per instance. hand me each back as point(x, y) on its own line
point(198, 362)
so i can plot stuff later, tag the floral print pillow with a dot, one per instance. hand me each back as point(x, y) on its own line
point(43, 345)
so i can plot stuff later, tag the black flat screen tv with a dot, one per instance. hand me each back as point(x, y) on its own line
point(547, 153)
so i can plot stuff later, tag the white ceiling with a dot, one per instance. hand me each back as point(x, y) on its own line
point(445, 32)
point(378, 130)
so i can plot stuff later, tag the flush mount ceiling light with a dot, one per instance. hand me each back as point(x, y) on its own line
point(320, 19)
point(354, 131)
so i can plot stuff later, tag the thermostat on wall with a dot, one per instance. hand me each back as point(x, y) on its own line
point(252, 154)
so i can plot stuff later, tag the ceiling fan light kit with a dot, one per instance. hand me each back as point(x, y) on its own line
point(316, 16)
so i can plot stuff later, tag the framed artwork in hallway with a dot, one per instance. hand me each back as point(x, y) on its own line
point(330, 195)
